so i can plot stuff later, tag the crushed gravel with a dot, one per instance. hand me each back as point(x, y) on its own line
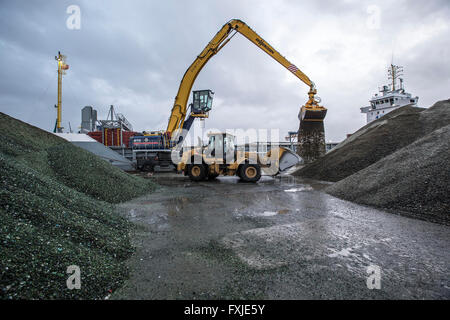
point(414, 180)
point(400, 162)
point(56, 211)
point(377, 140)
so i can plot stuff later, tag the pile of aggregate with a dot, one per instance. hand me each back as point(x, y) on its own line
point(399, 162)
point(377, 140)
point(56, 209)
point(413, 181)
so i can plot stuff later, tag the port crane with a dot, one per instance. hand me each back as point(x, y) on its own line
point(311, 110)
point(179, 125)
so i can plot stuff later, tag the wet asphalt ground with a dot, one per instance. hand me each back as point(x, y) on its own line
point(282, 238)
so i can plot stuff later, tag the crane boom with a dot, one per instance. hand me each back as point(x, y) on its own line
point(222, 37)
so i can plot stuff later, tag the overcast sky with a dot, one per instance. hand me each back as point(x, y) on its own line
point(133, 54)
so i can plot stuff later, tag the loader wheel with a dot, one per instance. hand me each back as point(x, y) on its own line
point(197, 172)
point(250, 172)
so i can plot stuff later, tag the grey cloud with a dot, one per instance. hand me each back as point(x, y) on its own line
point(134, 53)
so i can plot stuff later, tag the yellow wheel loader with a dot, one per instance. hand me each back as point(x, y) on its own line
point(221, 156)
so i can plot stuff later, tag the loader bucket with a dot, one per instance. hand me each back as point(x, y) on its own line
point(288, 159)
point(279, 159)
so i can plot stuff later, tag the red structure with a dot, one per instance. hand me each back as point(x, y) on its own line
point(114, 137)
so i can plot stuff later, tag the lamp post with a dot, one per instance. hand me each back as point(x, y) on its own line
point(62, 67)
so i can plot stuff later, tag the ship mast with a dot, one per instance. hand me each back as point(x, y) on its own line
point(394, 72)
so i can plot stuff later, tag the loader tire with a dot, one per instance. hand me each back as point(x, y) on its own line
point(250, 172)
point(197, 172)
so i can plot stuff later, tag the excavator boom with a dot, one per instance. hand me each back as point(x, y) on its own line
point(222, 37)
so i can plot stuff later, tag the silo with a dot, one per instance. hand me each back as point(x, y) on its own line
point(86, 119)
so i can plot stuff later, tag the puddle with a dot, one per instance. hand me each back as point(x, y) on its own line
point(268, 213)
point(264, 213)
point(343, 253)
point(299, 189)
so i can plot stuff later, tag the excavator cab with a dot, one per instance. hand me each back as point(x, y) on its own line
point(200, 107)
point(202, 101)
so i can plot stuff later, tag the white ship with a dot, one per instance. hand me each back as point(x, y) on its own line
point(390, 98)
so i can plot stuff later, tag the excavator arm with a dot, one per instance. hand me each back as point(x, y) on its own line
point(222, 37)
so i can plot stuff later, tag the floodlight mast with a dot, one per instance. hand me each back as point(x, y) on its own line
point(62, 67)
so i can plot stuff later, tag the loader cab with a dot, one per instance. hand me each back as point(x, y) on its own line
point(221, 147)
point(202, 101)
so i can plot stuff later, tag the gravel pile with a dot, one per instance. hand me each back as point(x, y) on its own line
point(91, 175)
point(414, 180)
point(377, 140)
point(56, 211)
point(400, 162)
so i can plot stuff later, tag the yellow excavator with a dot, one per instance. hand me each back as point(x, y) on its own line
point(311, 110)
point(245, 164)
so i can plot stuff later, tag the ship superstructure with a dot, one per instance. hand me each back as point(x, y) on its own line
point(391, 96)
